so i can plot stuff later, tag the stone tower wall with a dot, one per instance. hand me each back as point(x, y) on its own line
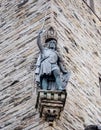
point(79, 42)
point(95, 6)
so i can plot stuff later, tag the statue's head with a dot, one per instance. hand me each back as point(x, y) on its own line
point(93, 127)
point(52, 44)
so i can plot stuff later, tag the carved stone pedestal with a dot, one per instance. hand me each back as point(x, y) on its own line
point(50, 104)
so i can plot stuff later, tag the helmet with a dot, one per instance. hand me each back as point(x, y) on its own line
point(51, 34)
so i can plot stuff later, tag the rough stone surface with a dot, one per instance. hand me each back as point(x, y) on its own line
point(95, 6)
point(79, 42)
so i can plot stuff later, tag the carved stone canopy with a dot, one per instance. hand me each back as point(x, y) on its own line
point(51, 34)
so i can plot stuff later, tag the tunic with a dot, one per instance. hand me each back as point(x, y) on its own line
point(46, 63)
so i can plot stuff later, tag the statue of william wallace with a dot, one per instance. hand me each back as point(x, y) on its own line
point(50, 72)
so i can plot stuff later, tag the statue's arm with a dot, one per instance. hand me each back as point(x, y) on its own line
point(62, 68)
point(39, 42)
point(60, 63)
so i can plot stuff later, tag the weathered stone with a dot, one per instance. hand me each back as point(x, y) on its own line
point(79, 42)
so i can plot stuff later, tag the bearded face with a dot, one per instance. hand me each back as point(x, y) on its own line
point(52, 44)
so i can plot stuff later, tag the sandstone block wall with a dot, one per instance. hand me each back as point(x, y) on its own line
point(95, 6)
point(79, 32)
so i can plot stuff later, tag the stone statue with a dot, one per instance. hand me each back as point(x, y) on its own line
point(49, 64)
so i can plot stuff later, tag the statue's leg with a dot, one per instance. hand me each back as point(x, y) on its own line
point(44, 84)
point(58, 79)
